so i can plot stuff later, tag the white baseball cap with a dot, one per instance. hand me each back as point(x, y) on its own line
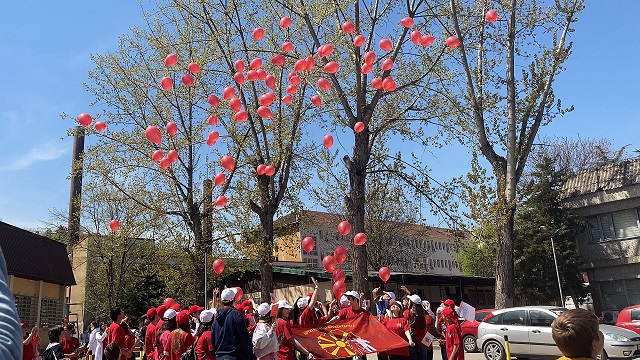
point(228, 294)
point(206, 316)
point(344, 302)
point(415, 299)
point(391, 294)
point(264, 309)
point(352, 293)
point(303, 302)
point(284, 304)
point(169, 314)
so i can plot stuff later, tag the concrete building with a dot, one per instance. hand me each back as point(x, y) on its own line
point(39, 274)
point(609, 199)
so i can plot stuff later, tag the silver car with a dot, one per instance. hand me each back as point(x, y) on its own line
point(529, 332)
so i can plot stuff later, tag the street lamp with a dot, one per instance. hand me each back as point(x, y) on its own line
point(555, 260)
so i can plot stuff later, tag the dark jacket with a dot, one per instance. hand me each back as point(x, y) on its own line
point(230, 337)
point(53, 352)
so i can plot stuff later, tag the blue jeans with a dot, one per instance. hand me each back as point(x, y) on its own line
point(420, 352)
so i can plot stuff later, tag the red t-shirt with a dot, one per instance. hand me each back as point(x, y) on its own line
point(349, 313)
point(115, 334)
point(70, 345)
point(186, 340)
point(454, 336)
point(285, 337)
point(28, 351)
point(149, 339)
point(310, 318)
point(398, 326)
point(204, 348)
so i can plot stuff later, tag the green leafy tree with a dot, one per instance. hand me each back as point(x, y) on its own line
point(478, 255)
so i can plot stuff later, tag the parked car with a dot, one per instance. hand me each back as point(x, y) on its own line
point(529, 331)
point(470, 330)
point(629, 318)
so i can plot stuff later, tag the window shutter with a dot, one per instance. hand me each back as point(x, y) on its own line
point(626, 223)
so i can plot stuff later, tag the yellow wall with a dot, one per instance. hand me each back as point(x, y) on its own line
point(289, 247)
point(25, 287)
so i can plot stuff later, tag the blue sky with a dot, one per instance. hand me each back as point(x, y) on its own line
point(45, 53)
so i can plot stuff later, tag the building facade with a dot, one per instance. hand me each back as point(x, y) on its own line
point(609, 199)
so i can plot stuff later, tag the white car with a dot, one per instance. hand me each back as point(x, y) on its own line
point(529, 332)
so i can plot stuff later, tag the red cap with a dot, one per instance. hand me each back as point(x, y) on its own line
point(448, 312)
point(182, 317)
point(309, 295)
point(160, 310)
point(195, 308)
point(24, 324)
point(151, 313)
point(449, 303)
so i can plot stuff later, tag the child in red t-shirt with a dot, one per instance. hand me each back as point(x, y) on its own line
point(455, 351)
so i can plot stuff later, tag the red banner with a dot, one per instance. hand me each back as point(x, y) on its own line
point(346, 338)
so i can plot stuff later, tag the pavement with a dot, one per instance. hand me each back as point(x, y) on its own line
point(436, 355)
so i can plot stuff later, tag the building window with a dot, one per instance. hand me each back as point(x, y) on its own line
point(617, 225)
point(27, 308)
point(51, 313)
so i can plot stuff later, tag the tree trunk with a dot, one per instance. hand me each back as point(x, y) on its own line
point(266, 263)
point(505, 291)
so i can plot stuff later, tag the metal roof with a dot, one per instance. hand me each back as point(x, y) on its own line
point(35, 257)
point(606, 177)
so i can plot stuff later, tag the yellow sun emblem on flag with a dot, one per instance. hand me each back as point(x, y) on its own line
point(334, 344)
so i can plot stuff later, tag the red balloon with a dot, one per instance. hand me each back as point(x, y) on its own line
point(267, 99)
point(331, 67)
point(416, 37)
point(270, 81)
point(340, 254)
point(258, 33)
point(169, 302)
point(366, 68)
point(286, 99)
point(300, 65)
point(157, 155)
point(388, 84)
point(287, 46)
point(260, 169)
point(339, 288)
point(360, 239)
point(228, 92)
point(369, 57)
point(269, 170)
point(166, 83)
point(453, 42)
point(264, 112)
point(219, 179)
point(324, 84)
point(384, 273)
point(239, 78)
point(316, 100)
point(491, 15)
point(278, 60)
point(218, 266)
point(188, 79)
point(310, 63)
point(193, 67)
point(221, 201)
point(339, 275)
point(385, 44)
point(285, 22)
point(358, 127)
point(261, 74)
point(212, 120)
point(213, 138)
point(291, 89)
point(241, 116)
point(239, 294)
point(165, 163)
point(327, 141)
point(100, 125)
point(235, 104)
point(329, 263)
point(213, 100)
point(387, 65)
point(407, 22)
point(172, 155)
point(348, 27)
point(308, 244)
point(239, 65)
point(255, 64)
point(325, 50)
point(427, 40)
point(252, 75)
point(172, 128)
point(359, 40)
point(114, 225)
point(153, 134)
point(344, 228)
point(228, 162)
point(376, 83)
point(295, 79)
point(171, 60)
point(176, 307)
point(85, 119)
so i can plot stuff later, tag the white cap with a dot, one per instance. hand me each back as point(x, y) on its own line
point(352, 293)
point(303, 302)
point(284, 304)
point(344, 302)
point(228, 294)
point(391, 294)
point(415, 299)
point(264, 309)
point(426, 304)
point(169, 314)
point(206, 316)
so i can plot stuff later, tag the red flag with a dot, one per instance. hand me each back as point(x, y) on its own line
point(346, 338)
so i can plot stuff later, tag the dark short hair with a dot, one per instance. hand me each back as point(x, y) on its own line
point(574, 331)
point(227, 303)
point(112, 352)
point(54, 333)
point(115, 313)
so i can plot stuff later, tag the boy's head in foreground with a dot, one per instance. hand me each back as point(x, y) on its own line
point(577, 334)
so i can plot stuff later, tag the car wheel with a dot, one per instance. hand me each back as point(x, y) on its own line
point(470, 344)
point(493, 350)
